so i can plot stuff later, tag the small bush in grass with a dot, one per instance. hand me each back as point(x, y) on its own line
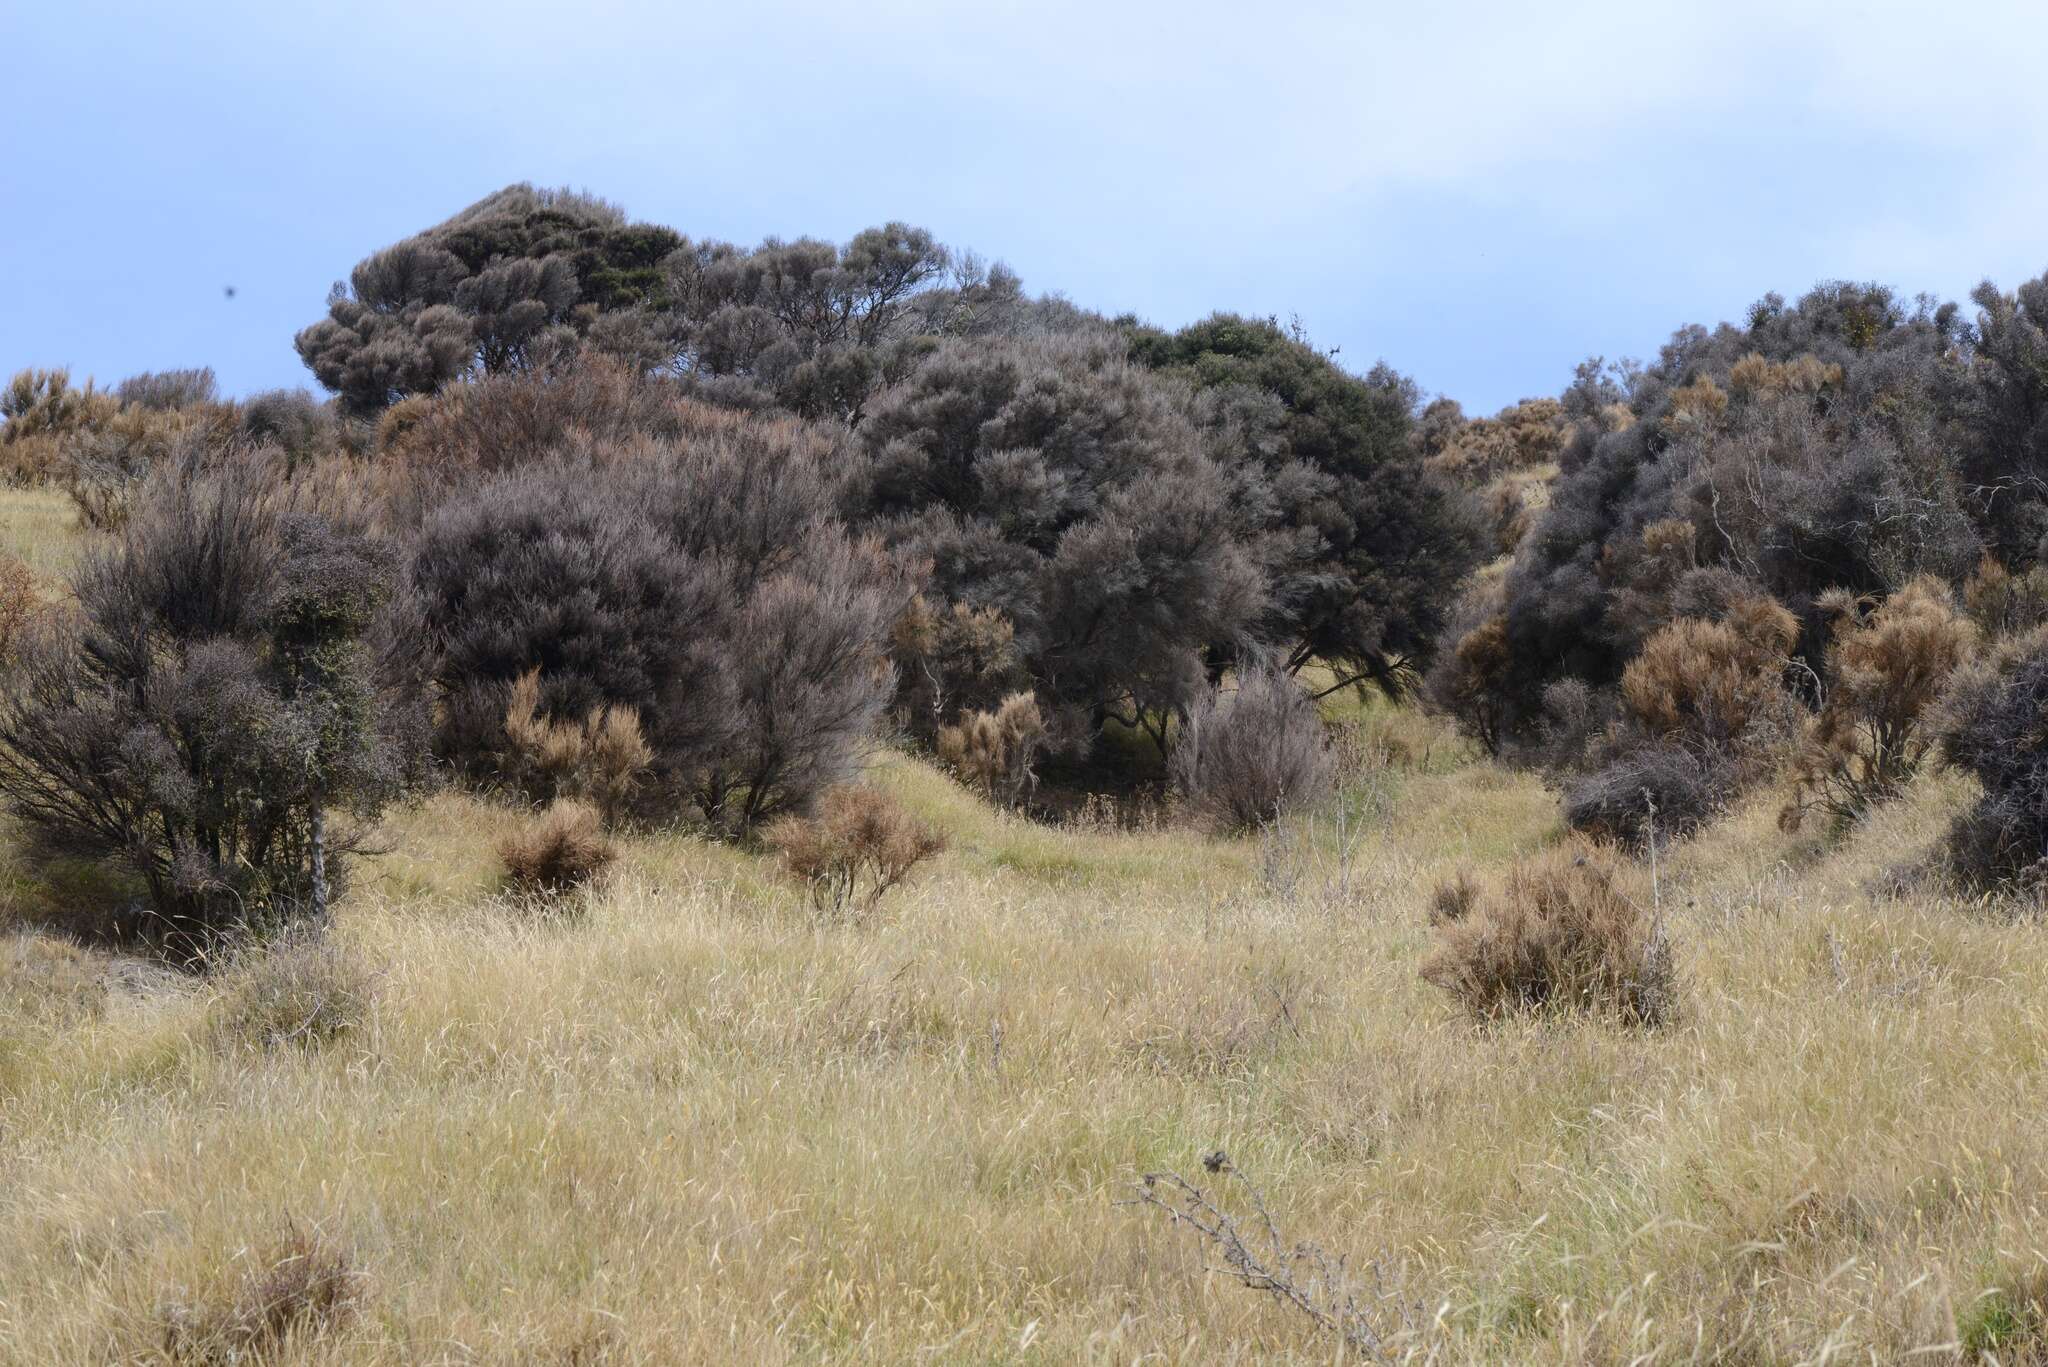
point(558, 851)
point(1250, 755)
point(20, 603)
point(295, 1289)
point(1571, 930)
point(600, 759)
point(1885, 667)
point(995, 751)
point(1666, 789)
point(303, 990)
point(858, 845)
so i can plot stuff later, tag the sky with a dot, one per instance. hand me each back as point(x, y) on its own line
point(1481, 194)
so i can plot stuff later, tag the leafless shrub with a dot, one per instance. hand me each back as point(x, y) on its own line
point(857, 846)
point(558, 851)
point(1685, 786)
point(995, 751)
point(1362, 1312)
point(297, 1288)
point(1567, 932)
point(600, 759)
point(1249, 756)
point(1886, 666)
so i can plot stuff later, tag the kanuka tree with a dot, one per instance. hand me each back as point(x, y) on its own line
point(1056, 483)
point(1364, 547)
point(515, 277)
point(524, 276)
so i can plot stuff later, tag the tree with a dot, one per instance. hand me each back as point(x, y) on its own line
point(216, 695)
point(1366, 548)
point(498, 287)
point(1057, 484)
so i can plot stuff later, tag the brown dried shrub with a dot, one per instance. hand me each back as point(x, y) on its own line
point(1569, 931)
point(2002, 603)
point(994, 751)
point(600, 759)
point(558, 851)
point(1473, 683)
point(1886, 666)
point(1709, 682)
point(858, 845)
point(300, 1287)
point(951, 660)
point(21, 602)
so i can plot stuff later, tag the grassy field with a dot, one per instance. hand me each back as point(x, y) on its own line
point(693, 1121)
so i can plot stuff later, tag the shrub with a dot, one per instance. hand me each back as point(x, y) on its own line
point(601, 758)
point(1990, 725)
point(995, 751)
point(1885, 667)
point(703, 587)
point(304, 990)
point(168, 390)
point(1070, 491)
point(1568, 932)
point(558, 851)
point(1661, 790)
point(299, 1286)
point(1249, 756)
point(214, 697)
point(1709, 682)
point(21, 603)
point(2002, 603)
point(952, 660)
point(1471, 683)
point(857, 846)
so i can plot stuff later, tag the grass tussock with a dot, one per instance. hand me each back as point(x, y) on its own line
point(305, 990)
point(558, 851)
point(1570, 930)
point(291, 1293)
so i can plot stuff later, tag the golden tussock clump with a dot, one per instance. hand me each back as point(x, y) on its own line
point(1570, 930)
point(558, 851)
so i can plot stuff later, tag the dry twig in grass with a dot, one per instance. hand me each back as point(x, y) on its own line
point(1303, 1275)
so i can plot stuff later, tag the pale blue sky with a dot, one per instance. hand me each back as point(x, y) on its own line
point(1482, 194)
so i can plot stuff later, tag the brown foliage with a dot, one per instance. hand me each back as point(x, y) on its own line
point(600, 759)
point(558, 851)
point(858, 845)
point(995, 751)
point(1569, 931)
point(1886, 666)
point(299, 1287)
point(1473, 683)
point(1758, 375)
point(952, 659)
point(1711, 681)
point(21, 603)
point(2002, 603)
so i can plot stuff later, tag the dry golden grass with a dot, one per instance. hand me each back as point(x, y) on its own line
point(701, 1123)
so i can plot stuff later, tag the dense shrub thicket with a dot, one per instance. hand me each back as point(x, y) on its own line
point(702, 586)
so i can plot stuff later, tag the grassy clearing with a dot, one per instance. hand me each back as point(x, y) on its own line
point(695, 1121)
